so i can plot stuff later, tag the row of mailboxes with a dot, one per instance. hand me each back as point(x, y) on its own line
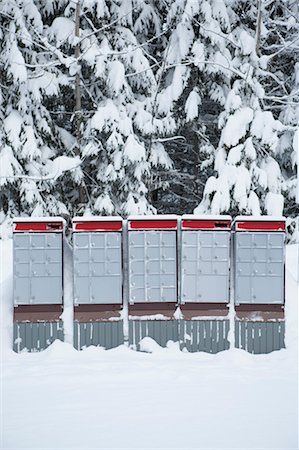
point(153, 265)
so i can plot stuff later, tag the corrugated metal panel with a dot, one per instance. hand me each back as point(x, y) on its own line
point(152, 266)
point(259, 337)
point(205, 266)
point(105, 334)
point(204, 335)
point(259, 274)
point(37, 268)
point(97, 268)
point(161, 331)
point(36, 336)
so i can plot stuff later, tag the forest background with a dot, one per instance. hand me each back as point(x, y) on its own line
point(149, 106)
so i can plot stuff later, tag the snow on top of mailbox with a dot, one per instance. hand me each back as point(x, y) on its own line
point(48, 224)
point(97, 223)
point(97, 219)
point(39, 219)
point(155, 217)
point(163, 221)
point(260, 219)
point(205, 217)
point(259, 223)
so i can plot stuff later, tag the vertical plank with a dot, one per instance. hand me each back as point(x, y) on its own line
point(237, 334)
point(282, 334)
point(221, 341)
point(181, 333)
point(137, 331)
point(194, 332)
point(201, 339)
point(269, 339)
point(263, 338)
point(276, 330)
point(95, 334)
point(214, 341)
point(131, 333)
point(35, 328)
point(243, 335)
point(207, 336)
point(15, 341)
point(75, 338)
point(257, 335)
point(162, 324)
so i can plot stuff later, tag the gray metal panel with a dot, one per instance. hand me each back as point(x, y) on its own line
point(161, 331)
point(205, 266)
point(36, 336)
point(152, 266)
point(37, 268)
point(107, 334)
point(210, 336)
point(259, 337)
point(97, 268)
point(259, 267)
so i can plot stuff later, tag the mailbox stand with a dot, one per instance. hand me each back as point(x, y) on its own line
point(98, 291)
point(259, 253)
point(37, 282)
point(205, 276)
point(152, 253)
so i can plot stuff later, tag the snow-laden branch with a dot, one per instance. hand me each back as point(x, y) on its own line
point(170, 138)
point(59, 166)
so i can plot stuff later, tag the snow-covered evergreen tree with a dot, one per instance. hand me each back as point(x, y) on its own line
point(194, 84)
point(248, 176)
point(31, 153)
point(118, 87)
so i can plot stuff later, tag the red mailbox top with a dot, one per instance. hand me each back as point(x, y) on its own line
point(262, 223)
point(159, 222)
point(205, 222)
point(97, 223)
point(38, 224)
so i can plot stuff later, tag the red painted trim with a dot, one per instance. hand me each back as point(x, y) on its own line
point(39, 226)
point(153, 225)
point(206, 224)
point(260, 226)
point(98, 226)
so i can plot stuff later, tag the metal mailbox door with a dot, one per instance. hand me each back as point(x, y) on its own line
point(97, 268)
point(37, 268)
point(205, 266)
point(259, 267)
point(152, 266)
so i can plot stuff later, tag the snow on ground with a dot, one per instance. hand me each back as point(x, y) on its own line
point(97, 399)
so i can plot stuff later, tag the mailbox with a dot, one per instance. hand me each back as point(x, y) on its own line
point(98, 291)
point(205, 259)
point(97, 260)
point(152, 291)
point(259, 275)
point(259, 260)
point(37, 281)
point(205, 282)
point(152, 259)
